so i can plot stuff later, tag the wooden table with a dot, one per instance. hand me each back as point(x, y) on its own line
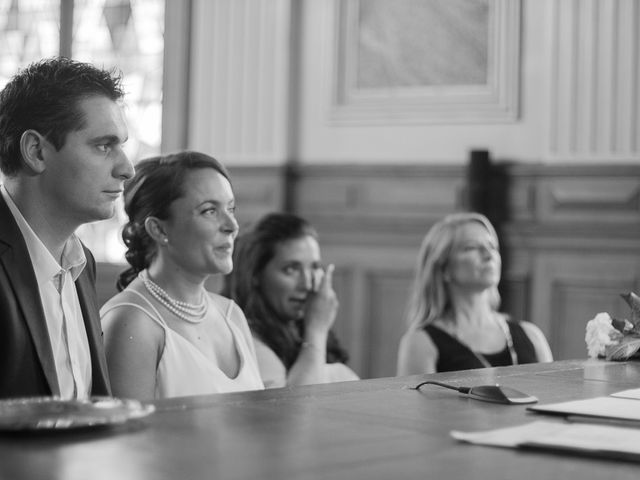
point(373, 429)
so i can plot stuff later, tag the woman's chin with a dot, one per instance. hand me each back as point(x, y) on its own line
point(225, 268)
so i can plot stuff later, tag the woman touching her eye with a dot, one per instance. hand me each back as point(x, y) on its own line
point(288, 298)
point(453, 311)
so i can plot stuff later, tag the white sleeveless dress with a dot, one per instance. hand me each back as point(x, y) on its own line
point(185, 370)
point(274, 373)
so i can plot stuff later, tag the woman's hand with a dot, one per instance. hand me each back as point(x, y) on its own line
point(322, 307)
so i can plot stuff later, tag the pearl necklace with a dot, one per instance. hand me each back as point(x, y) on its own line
point(186, 311)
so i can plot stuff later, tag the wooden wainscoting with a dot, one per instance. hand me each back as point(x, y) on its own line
point(570, 241)
point(573, 245)
point(371, 221)
point(258, 190)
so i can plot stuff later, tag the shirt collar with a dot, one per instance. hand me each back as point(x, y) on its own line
point(44, 264)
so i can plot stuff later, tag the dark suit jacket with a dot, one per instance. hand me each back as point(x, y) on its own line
point(26, 358)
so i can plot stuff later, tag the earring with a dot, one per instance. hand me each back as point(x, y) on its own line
point(165, 240)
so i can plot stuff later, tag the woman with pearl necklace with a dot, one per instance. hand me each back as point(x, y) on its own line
point(165, 334)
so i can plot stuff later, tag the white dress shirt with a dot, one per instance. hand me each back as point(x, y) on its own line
point(56, 282)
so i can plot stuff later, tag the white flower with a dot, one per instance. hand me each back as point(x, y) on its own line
point(600, 334)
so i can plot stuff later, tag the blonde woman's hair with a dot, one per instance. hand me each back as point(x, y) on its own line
point(429, 298)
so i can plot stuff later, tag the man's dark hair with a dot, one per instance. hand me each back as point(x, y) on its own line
point(45, 97)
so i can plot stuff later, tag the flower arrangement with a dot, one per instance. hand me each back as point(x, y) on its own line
point(612, 338)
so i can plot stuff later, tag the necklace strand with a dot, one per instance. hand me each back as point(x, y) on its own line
point(510, 347)
point(509, 340)
point(186, 311)
point(507, 334)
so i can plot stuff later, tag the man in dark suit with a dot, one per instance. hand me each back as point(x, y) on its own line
point(61, 133)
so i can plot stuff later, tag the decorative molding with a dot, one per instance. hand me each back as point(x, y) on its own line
point(595, 80)
point(549, 206)
point(576, 303)
point(240, 82)
point(491, 102)
point(175, 75)
point(569, 289)
point(378, 204)
point(516, 296)
point(521, 197)
point(258, 190)
point(608, 200)
point(387, 295)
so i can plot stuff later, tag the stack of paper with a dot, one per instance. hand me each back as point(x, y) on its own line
point(612, 409)
point(594, 440)
point(602, 426)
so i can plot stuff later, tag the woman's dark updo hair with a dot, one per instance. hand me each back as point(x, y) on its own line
point(157, 183)
point(252, 251)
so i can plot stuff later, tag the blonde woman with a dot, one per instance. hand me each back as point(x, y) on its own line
point(453, 311)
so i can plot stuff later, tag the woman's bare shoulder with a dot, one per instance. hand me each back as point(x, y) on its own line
point(539, 341)
point(417, 353)
point(126, 315)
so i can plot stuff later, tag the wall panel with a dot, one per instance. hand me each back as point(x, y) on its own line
point(595, 93)
point(387, 294)
point(569, 244)
point(570, 289)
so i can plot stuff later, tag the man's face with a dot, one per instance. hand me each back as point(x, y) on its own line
point(82, 180)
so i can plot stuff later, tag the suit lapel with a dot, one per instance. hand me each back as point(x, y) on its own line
point(85, 286)
point(16, 261)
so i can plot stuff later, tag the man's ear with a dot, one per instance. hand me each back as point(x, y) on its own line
point(156, 230)
point(31, 147)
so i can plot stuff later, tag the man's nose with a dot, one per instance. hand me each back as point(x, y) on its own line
point(124, 167)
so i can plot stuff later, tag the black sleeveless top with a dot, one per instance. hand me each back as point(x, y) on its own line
point(453, 355)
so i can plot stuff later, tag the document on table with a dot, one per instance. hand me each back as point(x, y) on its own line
point(581, 438)
point(601, 426)
point(633, 393)
point(618, 407)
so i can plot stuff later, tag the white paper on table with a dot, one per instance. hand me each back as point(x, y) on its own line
point(578, 437)
point(610, 407)
point(633, 393)
point(510, 436)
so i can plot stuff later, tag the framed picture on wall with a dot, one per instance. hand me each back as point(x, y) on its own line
point(425, 61)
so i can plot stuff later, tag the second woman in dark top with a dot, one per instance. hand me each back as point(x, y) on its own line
point(453, 312)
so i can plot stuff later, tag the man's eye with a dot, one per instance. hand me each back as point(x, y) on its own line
point(104, 148)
